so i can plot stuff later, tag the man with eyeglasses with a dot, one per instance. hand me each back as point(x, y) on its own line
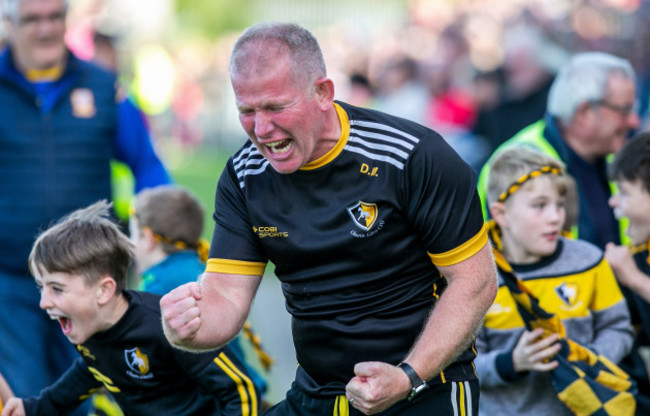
point(61, 123)
point(591, 111)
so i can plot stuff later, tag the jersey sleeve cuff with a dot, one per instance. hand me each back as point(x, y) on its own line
point(241, 267)
point(462, 252)
point(506, 368)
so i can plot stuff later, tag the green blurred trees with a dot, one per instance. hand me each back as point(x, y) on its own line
point(213, 18)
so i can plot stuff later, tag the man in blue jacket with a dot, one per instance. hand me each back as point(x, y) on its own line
point(62, 122)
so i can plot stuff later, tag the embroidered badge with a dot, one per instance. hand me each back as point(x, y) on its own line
point(568, 292)
point(138, 363)
point(364, 214)
point(82, 101)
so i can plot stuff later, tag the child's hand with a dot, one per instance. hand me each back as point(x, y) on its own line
point(622, 263)
point(181, 315)
point(14, 407)
point(533, 353)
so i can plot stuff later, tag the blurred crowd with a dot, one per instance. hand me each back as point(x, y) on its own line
point(475, 71)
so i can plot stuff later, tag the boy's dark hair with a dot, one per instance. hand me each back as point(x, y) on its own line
point(632, 162)
point(173, 214)
point(86, 242)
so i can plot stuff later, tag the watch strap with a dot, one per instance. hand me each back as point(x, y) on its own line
point(418, 385)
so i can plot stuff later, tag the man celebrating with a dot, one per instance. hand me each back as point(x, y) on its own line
point(370, 221)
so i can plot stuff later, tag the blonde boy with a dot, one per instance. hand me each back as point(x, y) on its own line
point(166, 228)
point(631, 172)
point(80, 266)
point(526, 197)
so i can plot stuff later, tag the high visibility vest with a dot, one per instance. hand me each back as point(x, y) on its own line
point(533, 136)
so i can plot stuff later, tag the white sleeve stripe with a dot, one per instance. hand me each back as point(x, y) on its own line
point(384, 127)
point(374, 156)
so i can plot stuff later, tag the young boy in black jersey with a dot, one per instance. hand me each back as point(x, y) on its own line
point(631, 171)
point(165, 227)
point(570, 278)
point(80, 266)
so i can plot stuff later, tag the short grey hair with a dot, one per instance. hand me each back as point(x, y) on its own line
point(303, 48)
point(584, 79)
point(10, 9)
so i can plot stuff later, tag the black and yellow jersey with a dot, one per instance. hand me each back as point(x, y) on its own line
point(635, 363)
point(576, 284)
point(354, 237)
point(147, 376)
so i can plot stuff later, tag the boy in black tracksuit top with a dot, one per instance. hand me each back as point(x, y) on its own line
point(80, 266)
point(631, 171)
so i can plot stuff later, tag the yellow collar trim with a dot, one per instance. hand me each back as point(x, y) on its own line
point(44, 75)
point(340, 144)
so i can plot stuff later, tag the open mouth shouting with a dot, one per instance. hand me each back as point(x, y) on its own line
point(65, 322)
point(279, 147)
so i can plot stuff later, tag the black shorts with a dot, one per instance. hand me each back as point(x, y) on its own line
point(446, 399)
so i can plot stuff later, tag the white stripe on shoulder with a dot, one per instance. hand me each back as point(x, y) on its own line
point(245, 152)
point(380, 142)
point(377, 146)
point(383, 158)
point(249, 161)
point(379, 126)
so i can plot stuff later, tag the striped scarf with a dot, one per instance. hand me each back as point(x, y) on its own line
point(587, 383)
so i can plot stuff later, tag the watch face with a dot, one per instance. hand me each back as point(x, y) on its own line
point(416, 391)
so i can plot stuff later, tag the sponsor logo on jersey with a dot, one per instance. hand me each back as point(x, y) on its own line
point(85, 352)
point(138, 363)
point(568, 293)
point(269, 232)
point(82, 101)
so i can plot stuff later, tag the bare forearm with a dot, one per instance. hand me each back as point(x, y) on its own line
point(456, 317)
point(638, 282)
point(221, 322)
point(5, 390)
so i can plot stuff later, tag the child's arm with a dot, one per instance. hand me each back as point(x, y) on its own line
point(628, 274)
point(612, 331)
point(5, 391)
point(66, 394)
point(228, 380)
point(500, 365)
point(14, 407)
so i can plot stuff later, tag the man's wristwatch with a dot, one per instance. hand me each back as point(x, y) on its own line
point(419, 385)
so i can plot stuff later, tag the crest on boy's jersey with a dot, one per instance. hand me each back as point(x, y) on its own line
point(137, 361)
point(363, 214)
point(568, 292)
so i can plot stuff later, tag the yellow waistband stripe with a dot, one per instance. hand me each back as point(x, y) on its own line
point(341, 406)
